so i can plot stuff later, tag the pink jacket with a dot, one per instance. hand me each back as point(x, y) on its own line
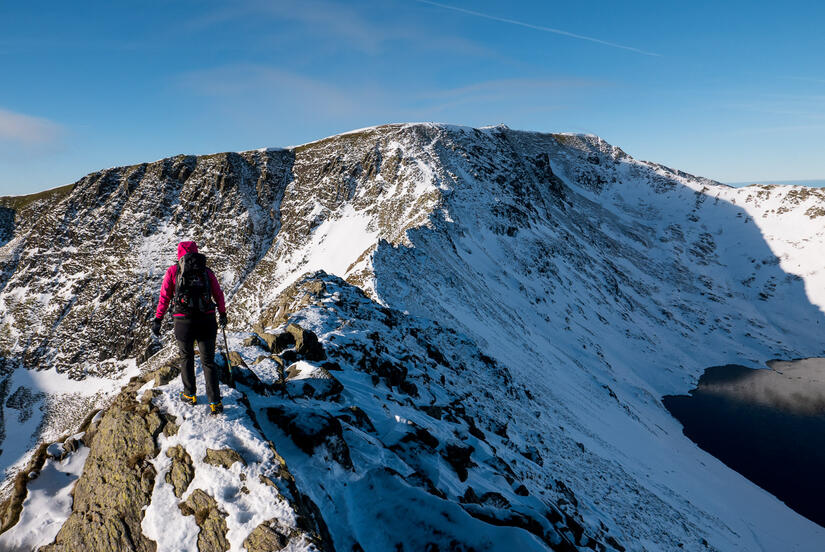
point(167, 289)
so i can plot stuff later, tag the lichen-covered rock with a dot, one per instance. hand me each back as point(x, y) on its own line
point(182, 472)
point(266, 537)
point(166, 373)
point(273, 535)
point(117, 480)
point(210, 520)
point(223, 457)
point(170, 429)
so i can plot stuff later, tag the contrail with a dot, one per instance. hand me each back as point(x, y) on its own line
point(538, 27)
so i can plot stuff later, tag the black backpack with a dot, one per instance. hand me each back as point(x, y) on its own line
point(193, 293)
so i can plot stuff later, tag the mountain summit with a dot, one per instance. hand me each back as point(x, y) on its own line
point(447, 338)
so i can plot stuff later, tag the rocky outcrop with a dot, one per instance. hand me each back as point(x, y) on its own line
point(210, 520)
point(223, 458)
point(303, 379)
point(273, 535)
point(117, 479)
point(306, 343)
point(118, 482)
point(182, 471)
point(310, 429)
point(267, 537)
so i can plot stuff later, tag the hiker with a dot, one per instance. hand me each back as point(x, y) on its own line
point(191, 287)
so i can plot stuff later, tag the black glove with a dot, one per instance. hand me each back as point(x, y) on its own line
point(156, 327)
point(222, 320)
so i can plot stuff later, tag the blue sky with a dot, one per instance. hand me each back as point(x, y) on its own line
point(732, 90)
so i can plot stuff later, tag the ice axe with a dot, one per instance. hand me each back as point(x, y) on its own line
point(231, 378)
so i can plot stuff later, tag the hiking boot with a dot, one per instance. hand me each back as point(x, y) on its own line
point(189, 399)
point(216, 408)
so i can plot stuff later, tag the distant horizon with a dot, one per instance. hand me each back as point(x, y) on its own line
point(91, 85)
point(811, 183)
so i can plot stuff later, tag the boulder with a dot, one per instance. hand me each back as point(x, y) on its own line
point(166, 373)
point(275, 343)
point(458, 456)
point(266, 537)
point(283, 341)
point(223, 457)
point(248, 378)
point(254, 341)
point(182, 471)
point(306, 343)
point(393, 374)
point(310, 428)
point(309, 381)
point(272, 535)
point(289, 356)
point(170, 429)
point(210, 520)
point(236, 359)
point(356, 417)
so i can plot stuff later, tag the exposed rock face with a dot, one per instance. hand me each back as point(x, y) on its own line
point(306, 343)
point(100, 229)
point(117, 480)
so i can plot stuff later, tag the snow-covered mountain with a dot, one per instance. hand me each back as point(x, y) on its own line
point(500, 313)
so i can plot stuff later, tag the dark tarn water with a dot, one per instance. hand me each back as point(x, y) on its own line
point(768, 425)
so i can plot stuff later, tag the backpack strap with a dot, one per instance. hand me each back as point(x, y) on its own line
point(177, 279)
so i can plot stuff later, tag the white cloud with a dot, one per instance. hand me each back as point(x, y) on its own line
point(25, 130)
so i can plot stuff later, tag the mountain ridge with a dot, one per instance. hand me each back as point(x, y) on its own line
point(598, 281)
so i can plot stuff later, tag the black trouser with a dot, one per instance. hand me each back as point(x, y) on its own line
point(204, 330)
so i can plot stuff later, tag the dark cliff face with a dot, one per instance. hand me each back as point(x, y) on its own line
point(81, 273)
